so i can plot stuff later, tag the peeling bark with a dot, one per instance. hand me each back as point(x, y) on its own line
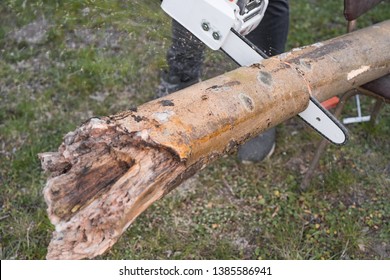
point(109, 170)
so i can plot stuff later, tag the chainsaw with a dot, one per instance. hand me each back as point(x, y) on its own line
point(223, 24)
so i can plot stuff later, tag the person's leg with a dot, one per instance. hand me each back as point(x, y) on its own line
point(184, 58)
point(270, 36)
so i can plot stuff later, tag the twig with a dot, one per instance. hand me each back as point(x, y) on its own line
point(4, 217)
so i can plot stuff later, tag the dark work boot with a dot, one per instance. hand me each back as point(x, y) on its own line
point(171, 83)
point(259, 148)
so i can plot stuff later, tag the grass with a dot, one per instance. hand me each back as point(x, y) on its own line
point(100, 57)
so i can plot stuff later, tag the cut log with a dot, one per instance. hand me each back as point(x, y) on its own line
point(109, 170)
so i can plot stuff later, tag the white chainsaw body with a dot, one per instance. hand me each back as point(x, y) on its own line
point(212, 20)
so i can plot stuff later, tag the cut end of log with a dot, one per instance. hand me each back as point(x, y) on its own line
point(101, 179)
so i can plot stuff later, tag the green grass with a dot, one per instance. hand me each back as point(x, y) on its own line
point(100, 57)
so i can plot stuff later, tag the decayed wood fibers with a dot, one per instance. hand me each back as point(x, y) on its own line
point(102, 179)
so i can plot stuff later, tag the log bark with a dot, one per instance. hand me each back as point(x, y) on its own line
point(110, 169)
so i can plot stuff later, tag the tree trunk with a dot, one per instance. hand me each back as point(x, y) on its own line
point(109, 170)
